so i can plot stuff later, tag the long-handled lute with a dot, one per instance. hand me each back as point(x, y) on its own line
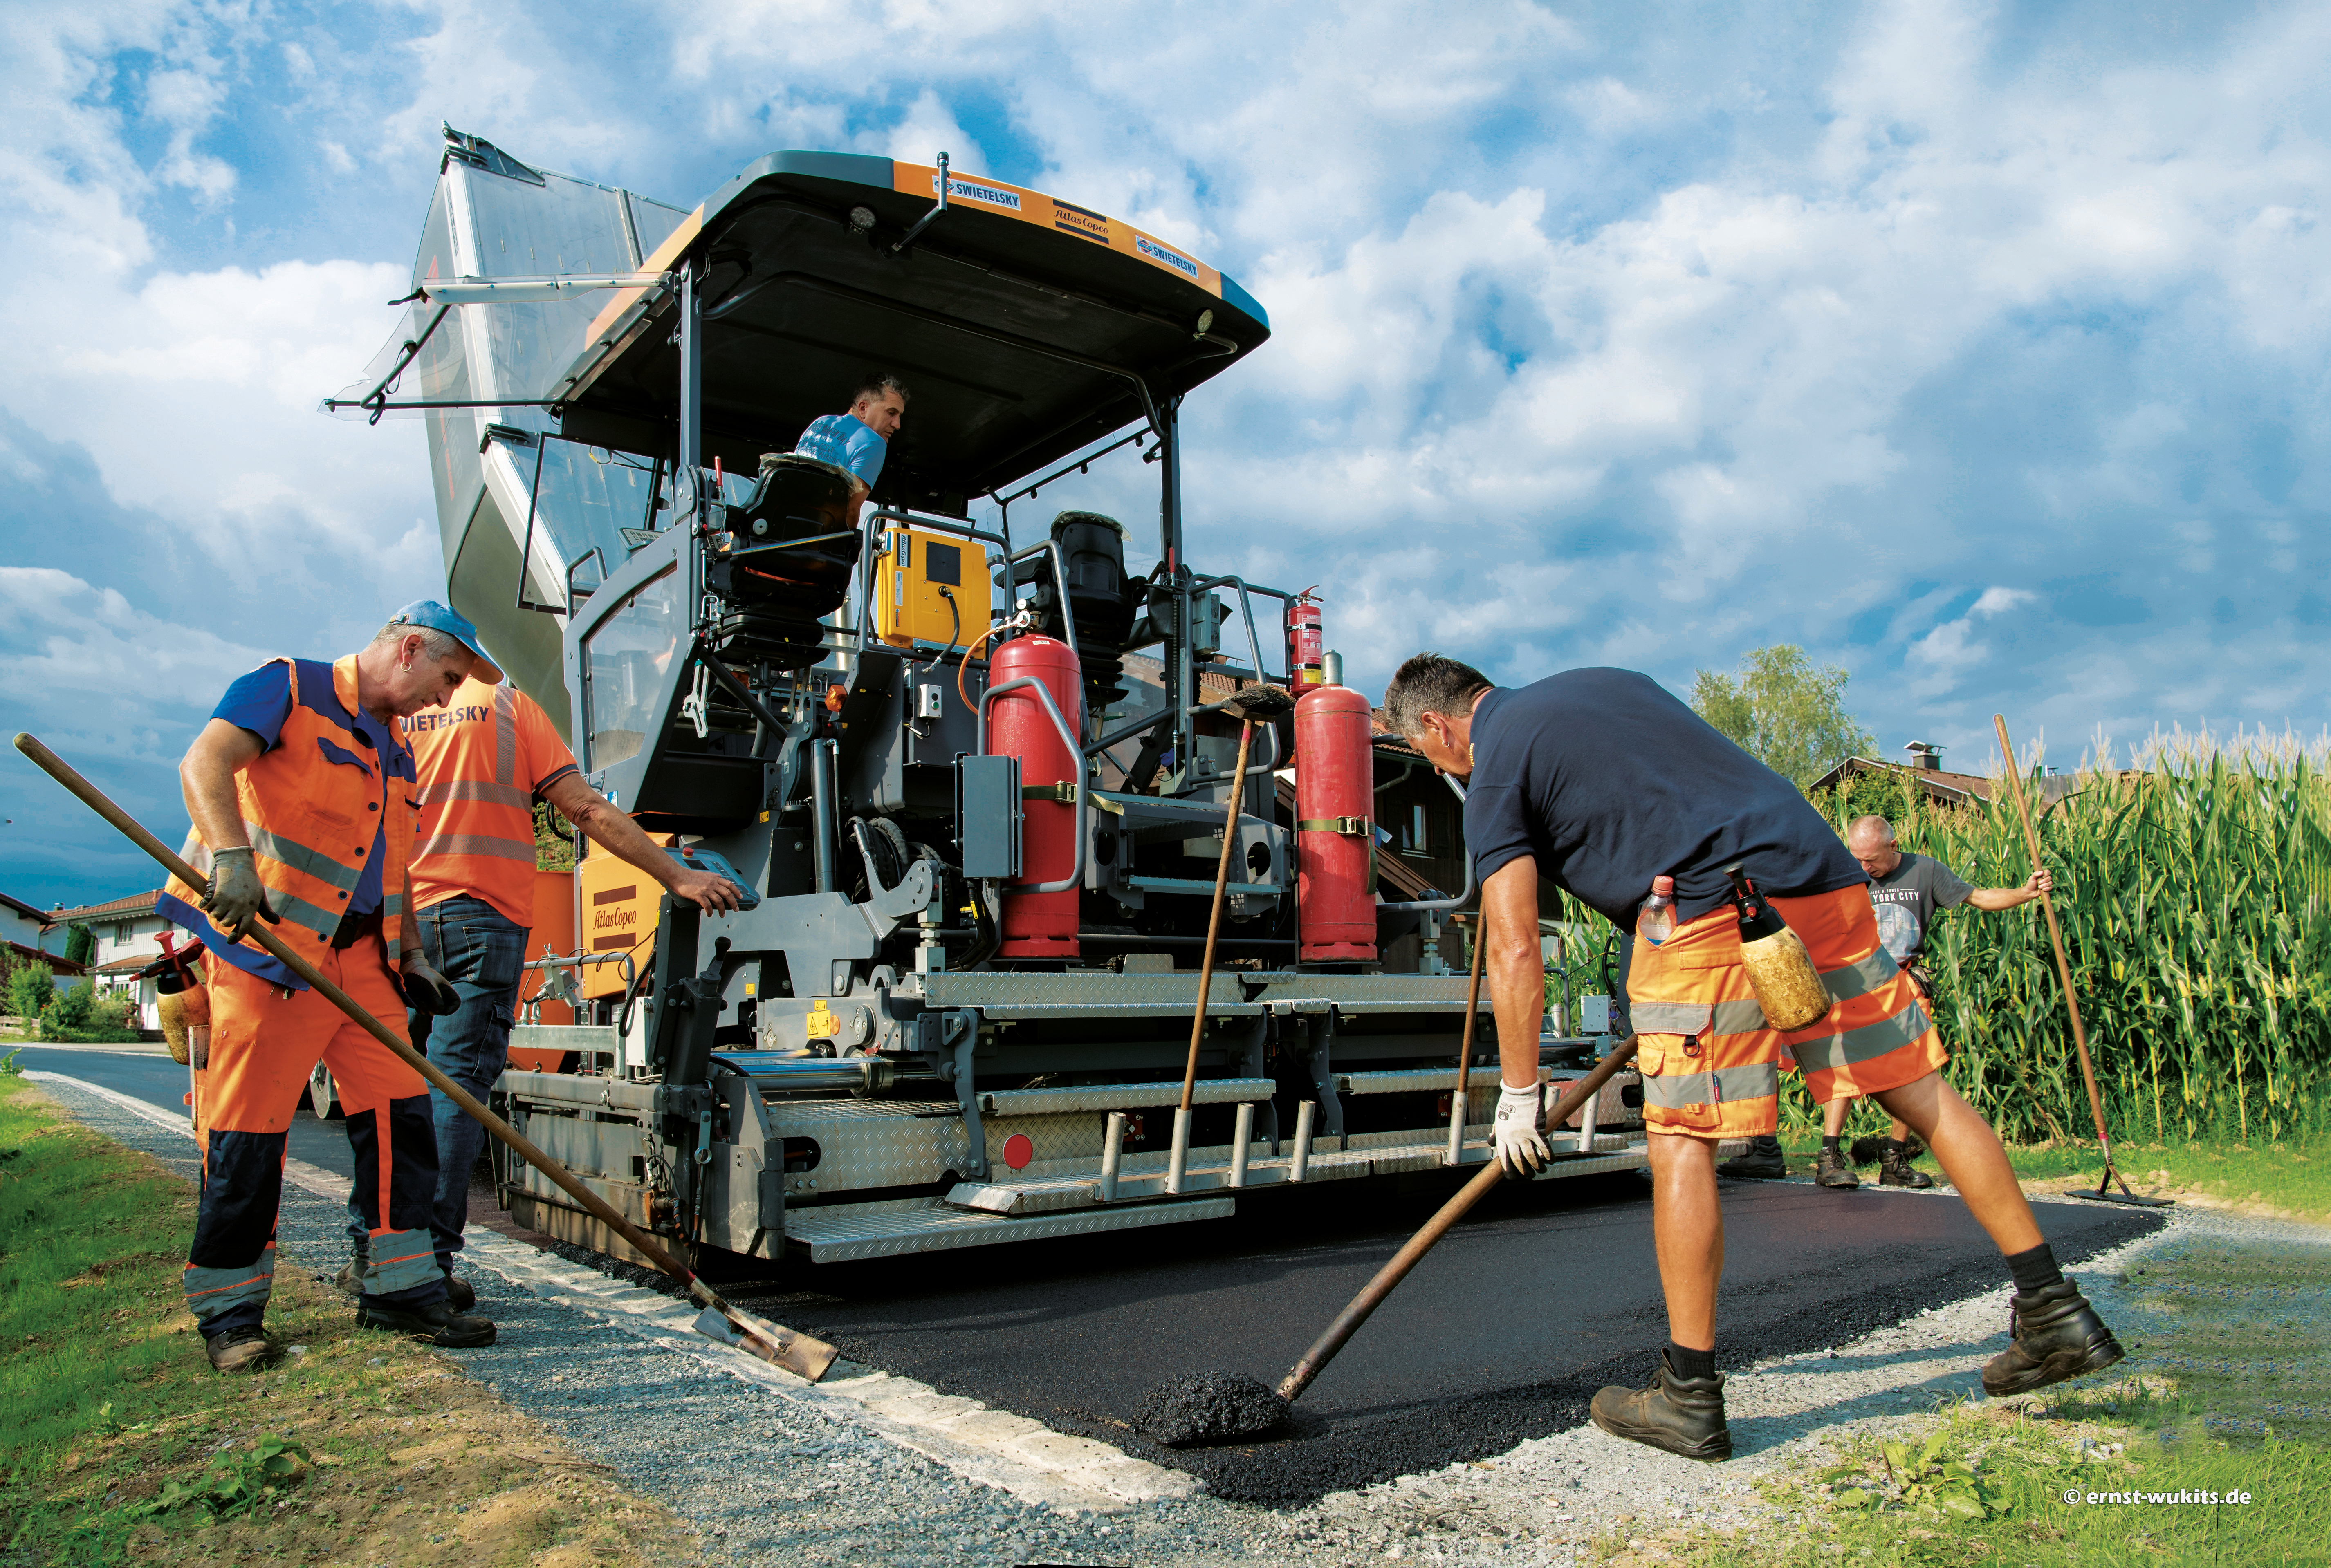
point(796, 1353)
point(2104, 1193)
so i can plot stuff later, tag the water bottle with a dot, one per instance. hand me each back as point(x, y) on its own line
point(1655, 921)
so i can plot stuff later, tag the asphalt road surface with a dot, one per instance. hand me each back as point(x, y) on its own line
point(152, 1076)
point(1502, 1334)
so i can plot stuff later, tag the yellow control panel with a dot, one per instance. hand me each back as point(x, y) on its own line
point(620, 904)
point(930, 588)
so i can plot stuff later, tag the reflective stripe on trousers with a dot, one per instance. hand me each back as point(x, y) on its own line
point(215, 1293)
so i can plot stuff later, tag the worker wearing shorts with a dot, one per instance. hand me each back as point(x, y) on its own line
point(1598, 781)
point(1711, 1065)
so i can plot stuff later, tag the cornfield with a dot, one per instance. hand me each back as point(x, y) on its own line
point(2195, 899)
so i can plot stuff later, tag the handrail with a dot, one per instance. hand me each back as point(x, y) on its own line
point(1076, 877)
point(1060, 583)
point(1246, 614)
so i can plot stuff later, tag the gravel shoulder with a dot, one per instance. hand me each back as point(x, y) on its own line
point(767, 1472)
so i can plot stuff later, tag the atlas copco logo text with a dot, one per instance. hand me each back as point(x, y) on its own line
point(991, 194)
point(1157, 253)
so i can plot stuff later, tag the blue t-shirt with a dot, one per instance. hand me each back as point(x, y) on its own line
point(259, 702)
point(1609, 780)
point(845, 442)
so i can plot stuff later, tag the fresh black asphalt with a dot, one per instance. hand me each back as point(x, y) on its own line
point(1502, 1334)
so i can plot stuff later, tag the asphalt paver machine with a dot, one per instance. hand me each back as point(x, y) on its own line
point(973, 776)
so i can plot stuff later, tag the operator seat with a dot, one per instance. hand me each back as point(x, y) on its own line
point(1102, 601)
point(787, 559)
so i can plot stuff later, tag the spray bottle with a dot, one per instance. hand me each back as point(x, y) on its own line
point(1781, 971)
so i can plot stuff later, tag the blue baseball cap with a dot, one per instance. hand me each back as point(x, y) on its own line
point(445, 618)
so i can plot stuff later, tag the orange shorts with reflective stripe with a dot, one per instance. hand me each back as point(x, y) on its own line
point(1711, 1065)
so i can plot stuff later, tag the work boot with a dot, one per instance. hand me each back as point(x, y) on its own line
point(350, 1282)
point(2056, 1335)
point(1895, 1170)
point(1683, 1415)
point(433, 1322)
point(1763, 1162)
point(1832, 1171)
point(238, 1349)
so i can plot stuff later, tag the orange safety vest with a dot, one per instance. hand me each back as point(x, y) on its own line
point(481, 761)
point(310, 803)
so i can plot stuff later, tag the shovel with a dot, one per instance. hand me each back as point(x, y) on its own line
point(1227, 1407)
point(797, 1353)
point(1255, 705)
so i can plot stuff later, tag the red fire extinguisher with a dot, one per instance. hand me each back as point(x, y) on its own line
point(1305, 641)
point(1041, 925)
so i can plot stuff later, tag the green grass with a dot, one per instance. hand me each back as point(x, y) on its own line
point(1988, 1484)
point(2292, 1177)
point(124, 1446)
point(91, 1240)
point(2227, 1390)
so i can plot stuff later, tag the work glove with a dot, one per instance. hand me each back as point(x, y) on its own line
point(236, 894)
point(1522, 1149)
point(426, 990)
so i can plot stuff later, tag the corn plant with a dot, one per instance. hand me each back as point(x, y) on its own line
point(2194, 894)
point(2195, 899)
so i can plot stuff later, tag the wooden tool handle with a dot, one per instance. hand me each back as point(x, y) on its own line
point(1215, 919)
point(2015, 782)
point(1372, 1296)
point(797, 1353)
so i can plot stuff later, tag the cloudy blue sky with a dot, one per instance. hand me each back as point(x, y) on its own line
point(1978, 348)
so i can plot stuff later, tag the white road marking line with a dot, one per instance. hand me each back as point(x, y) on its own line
point(993, 1447)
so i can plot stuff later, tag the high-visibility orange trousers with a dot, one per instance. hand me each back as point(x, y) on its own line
point(264, 1043)
point(1711, 1066)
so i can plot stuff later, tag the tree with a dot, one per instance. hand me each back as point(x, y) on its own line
point(554, 842)
point(80, 943)
point(1785, 711)
point(72, 1008)
point(32, 987)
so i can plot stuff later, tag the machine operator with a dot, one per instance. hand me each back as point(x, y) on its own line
point(483, 760)
point(859, 439)
point(1601, 780)
point(1905, 891)
point(301, 799)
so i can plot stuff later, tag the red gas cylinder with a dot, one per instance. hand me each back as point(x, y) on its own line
point(1334, 812)
point(1039, 925)
point(1305, 642)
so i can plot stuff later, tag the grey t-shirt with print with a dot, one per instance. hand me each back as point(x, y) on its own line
point(1905, 900)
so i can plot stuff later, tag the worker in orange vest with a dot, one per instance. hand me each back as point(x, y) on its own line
point(302, 802)
point(483, 760)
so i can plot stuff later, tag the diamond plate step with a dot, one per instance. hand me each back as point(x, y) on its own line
point(845, 1232)
point(1139, 1187)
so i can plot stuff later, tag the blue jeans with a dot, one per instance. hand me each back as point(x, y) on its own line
point(482, 952)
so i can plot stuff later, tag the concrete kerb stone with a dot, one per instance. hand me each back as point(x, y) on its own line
point(988, 1446)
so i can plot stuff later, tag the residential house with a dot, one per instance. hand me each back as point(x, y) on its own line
point(22, 928)
point(1926, 774)
point(128, 933)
